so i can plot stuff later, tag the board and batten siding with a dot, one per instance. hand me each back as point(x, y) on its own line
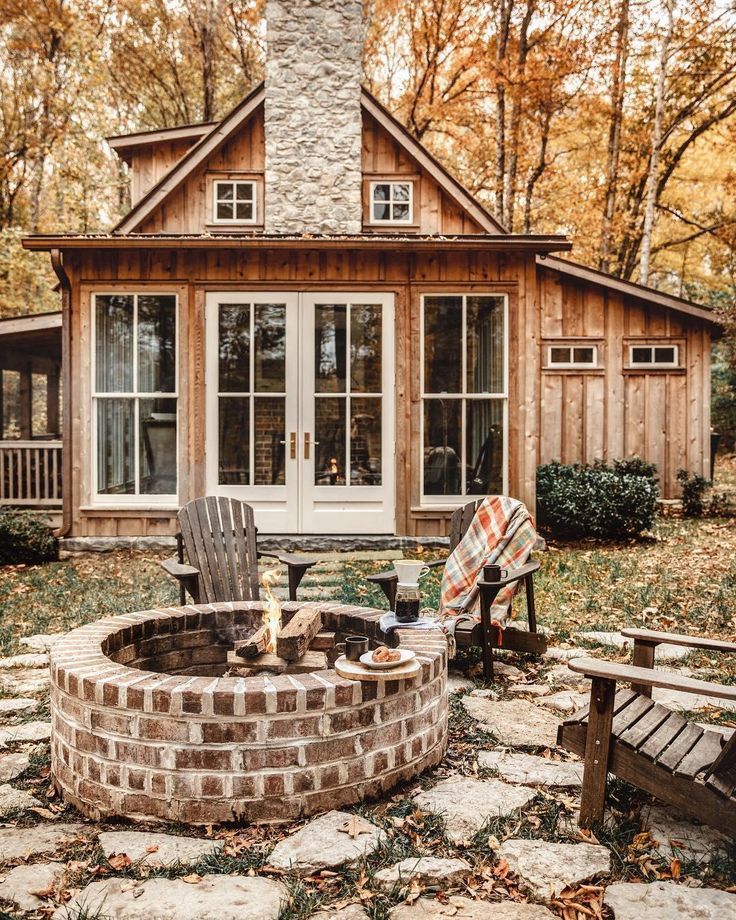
point(612, 411)
point(188, 208)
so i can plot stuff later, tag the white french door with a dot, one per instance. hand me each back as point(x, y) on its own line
point(299, 408)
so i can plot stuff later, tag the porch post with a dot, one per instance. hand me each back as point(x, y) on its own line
point(52, 401)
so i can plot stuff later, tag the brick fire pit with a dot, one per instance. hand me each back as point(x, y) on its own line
point(145, 726)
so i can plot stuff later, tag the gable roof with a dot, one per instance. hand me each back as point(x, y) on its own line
point(628, 288)
point(125, 144)
point(207, 145)
point(213, 137)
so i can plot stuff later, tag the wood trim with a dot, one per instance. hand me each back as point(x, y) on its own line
point(159, 135)
point(221, 175)
point(32, 323)
point(413, 179)
point(207, 145)
point(438, 172)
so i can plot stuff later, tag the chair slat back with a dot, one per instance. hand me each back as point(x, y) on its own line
point(726, 759)
point(220, 540)
point(461, 520)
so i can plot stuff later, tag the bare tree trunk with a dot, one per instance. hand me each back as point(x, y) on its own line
point(502, 39)
point(515, 117)
point(204, 18)
point(652, 180)
point(536, 173)
point(614, 132)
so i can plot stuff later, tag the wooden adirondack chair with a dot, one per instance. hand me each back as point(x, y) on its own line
point(483, 634)
point(626, 733)
point(218, 536)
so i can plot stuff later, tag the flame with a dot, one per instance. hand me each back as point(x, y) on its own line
point(272, 610)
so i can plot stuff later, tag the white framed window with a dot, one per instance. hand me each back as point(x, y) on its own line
point(134, 397)
point(234, 201)
point(392, 203)
point(654, 356)
point(464, 381)
point(572, 356)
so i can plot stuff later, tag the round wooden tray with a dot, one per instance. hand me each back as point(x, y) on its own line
point(354, 670)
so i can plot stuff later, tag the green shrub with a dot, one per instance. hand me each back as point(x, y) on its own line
point(26, 538)
point(597, 500)
point(693, 493)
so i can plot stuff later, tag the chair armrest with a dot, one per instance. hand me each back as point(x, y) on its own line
point(609, 670)
point(179, 569)
point(382, 577)
point(651, 637)
point(302, 562)
point(435, 563)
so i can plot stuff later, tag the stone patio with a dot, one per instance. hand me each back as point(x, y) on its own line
point(479, 823)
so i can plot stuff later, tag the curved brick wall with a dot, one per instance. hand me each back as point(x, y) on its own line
point(140, 729)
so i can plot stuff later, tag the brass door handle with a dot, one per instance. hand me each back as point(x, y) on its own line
point(308, 443)
point(292, 445)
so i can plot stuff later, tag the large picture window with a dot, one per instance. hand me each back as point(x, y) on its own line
point(134, 395)
point(463, 395)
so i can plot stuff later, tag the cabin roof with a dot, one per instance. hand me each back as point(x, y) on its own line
point(212, 137)
point(125, 144)
point(628, 288)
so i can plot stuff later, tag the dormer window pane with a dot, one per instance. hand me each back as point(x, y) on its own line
point(234, 202)
point(391, 203)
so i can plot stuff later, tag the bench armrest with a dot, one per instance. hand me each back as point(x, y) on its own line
point(652, 637)
point(179, 569)
point(609, 670)
point(302, 562)
point(513, 576)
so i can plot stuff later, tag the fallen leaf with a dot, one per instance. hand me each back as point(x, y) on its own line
point(356, 826)
point(192, 879)
point(152, 848)
point(119, 861)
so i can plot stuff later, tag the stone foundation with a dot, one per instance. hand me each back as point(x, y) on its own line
point(143, 726)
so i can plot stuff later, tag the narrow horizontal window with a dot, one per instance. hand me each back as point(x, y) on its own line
point(583, 356)
point(234, 202)
point(654, 356)
point(392, 202)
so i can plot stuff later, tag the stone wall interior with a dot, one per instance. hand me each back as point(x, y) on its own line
point(312, 116)
point(144, 725)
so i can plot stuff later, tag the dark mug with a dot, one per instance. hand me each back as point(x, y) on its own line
point(494, 573)
point(355, 646)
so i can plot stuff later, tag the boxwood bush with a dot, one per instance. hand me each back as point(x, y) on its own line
point(26, 538)
point(598, 500)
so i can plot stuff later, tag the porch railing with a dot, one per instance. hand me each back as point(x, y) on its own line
point(30, 473)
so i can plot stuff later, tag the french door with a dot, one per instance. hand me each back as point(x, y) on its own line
point(299, 408)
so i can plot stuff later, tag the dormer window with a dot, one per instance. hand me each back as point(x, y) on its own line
point(234, 202)
point(392, 202)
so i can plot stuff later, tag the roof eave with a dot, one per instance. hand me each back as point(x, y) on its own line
point(507, 242)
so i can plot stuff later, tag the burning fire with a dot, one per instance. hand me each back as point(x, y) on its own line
point(272, 610)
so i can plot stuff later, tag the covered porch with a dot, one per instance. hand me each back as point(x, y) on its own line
point(31, 446)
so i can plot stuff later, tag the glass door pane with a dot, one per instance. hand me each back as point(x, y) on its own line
point(347, 367)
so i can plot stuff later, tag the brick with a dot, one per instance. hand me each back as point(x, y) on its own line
point(141, 754)
point(308, 726)
point(111, 723)
point(203, 759)
point(228, 732)
point(270, 758)
point(212, 786)
point(223, 702)
point(136, 779)
point(352, 719)
point(163, 730)
point(244, 786)
point(185, 786)
point(273, 784)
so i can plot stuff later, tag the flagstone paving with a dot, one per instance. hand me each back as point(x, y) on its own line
point(430, 872)
point(214, 897)
point(23, 884)
point(157, 849)
point(546, 868)
point(516, 723)
point(526, 784)
point(466, 804)
point(668, 901)
point(531, 770)
point(332, 840)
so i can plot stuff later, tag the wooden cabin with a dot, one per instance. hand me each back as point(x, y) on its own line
point(304, 310)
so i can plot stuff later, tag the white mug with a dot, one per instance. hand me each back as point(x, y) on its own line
point(409, 572)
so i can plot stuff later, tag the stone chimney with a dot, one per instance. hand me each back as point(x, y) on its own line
point(313, 119)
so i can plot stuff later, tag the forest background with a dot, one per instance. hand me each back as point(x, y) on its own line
point(613, 121)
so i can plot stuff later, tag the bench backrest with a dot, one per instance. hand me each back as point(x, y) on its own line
point(219, 536)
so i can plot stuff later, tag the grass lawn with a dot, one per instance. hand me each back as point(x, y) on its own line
point(682, 579)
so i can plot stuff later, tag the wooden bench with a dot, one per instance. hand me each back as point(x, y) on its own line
point(624, 732)
point(483, 634)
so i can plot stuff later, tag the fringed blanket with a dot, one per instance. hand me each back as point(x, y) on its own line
point(502, 532)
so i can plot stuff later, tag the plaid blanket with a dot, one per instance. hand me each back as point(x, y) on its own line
point(501, 532)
